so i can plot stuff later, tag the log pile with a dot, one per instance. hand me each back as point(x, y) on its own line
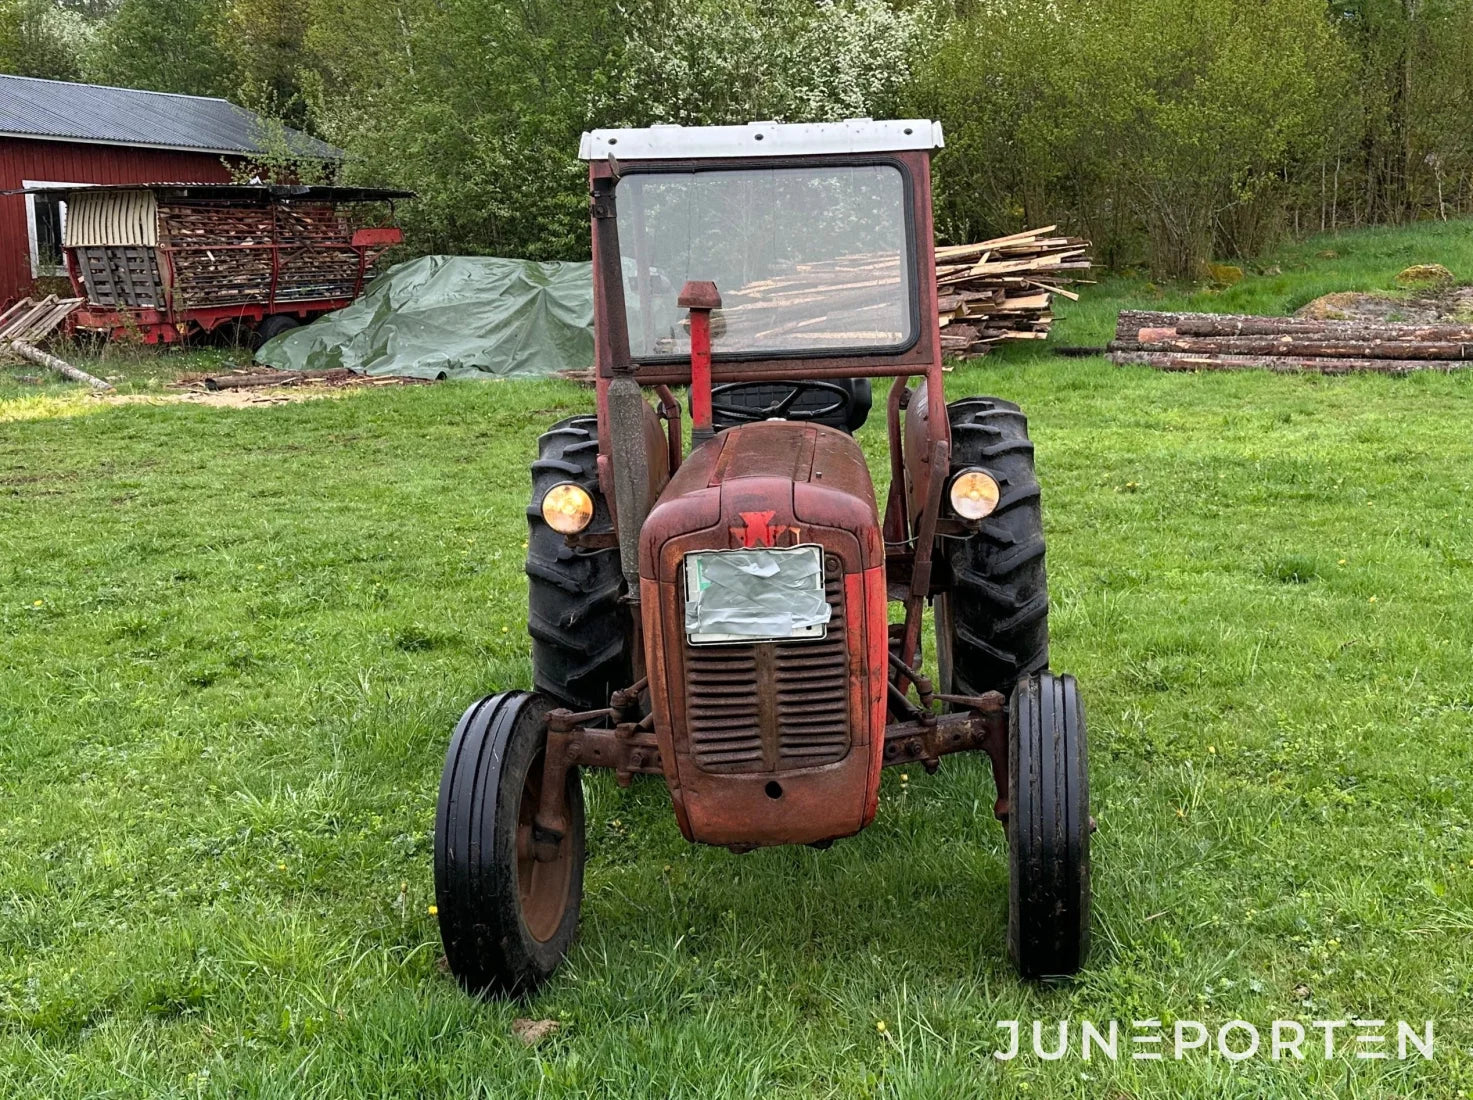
point(1206, 341)
point(223, 255)
point(1003, 289)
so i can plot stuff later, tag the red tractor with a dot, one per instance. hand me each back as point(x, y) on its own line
point(720, 617)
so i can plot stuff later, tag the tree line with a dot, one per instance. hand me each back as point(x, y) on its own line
point(1169, 131)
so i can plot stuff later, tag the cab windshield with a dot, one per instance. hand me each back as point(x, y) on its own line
point(808, 260)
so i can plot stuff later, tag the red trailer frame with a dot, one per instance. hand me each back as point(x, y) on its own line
point(173, 321)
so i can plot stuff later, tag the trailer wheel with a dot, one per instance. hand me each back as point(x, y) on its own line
point(506, 919)
point(270, 327)
point(992, 626)
point(582, 635)
point(1048, 827)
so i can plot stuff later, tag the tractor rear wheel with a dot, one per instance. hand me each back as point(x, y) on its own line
point(582, 634)
point(1048, 827)
point(506, 918)
point(992, 626)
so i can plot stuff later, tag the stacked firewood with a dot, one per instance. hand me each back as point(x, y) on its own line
point(1003, 289)
point(222, 255)
point(1206, 341)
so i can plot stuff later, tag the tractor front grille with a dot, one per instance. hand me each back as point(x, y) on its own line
point(772, 706)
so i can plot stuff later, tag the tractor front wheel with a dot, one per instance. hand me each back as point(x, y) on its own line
point(1048, 827)
point(507, 918)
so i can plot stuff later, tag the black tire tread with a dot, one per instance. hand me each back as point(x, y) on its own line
point(581, 631)
point(486, 944)
point(1048, 828)
point(270, 327)
point(999, 593)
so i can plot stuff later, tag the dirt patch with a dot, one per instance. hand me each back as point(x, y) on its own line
point(46, 406)
point(1426, 308)
point(265, 378)
point(253, 387)
point(223, 399)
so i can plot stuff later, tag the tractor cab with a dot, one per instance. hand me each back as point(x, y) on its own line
point(815, 238)
point(712, 605)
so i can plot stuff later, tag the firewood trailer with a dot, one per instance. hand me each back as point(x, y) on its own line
point(159, 262)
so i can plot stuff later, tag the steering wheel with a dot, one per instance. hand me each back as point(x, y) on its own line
point(752, 410)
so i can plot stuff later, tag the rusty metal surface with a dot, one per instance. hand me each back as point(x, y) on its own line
point(783, 742)
point(918, 434)
point(981, 726)
point(609, 738)
point(770, 742)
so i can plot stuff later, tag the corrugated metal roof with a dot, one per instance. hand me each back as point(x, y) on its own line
point(240, 194)
point(126, 116)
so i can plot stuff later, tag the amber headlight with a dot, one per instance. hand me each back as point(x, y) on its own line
point(974, 494)
point(567, 508)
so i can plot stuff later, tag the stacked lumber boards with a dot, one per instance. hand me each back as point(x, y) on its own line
point(32, 321)
point(987, 292)
point(848, 301)
point(28, 322)
point(853, 301)
point(1003, 289)
point(1208, 341)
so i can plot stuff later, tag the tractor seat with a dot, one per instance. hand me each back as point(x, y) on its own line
point(848, 416)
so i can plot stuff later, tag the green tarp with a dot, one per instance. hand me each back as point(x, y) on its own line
point(453, 317)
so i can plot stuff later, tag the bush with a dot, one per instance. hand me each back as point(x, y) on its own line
point(1153, 126)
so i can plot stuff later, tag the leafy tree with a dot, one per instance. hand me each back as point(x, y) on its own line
point(38, 38)
point(1167, 130)
point(712, 62)
point(265, 42)
point(1149, 120)
point(164, 46)
point(479, 106)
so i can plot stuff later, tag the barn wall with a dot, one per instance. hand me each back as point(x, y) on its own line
point(66, 162)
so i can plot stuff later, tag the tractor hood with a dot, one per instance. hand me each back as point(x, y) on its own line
point(770, 719)
point(767, 484)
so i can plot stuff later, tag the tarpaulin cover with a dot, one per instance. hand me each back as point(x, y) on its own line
point(453, 317)
point(775, 593)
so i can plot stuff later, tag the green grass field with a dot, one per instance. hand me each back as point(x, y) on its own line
point(233, 643)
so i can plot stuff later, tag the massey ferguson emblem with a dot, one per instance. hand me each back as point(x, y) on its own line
point(759, 530)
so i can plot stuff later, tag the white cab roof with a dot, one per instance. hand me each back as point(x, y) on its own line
point(762, 139)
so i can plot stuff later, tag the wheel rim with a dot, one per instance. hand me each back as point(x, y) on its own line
point(542, 888)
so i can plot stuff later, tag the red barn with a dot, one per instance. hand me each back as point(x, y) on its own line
point(52, 132)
